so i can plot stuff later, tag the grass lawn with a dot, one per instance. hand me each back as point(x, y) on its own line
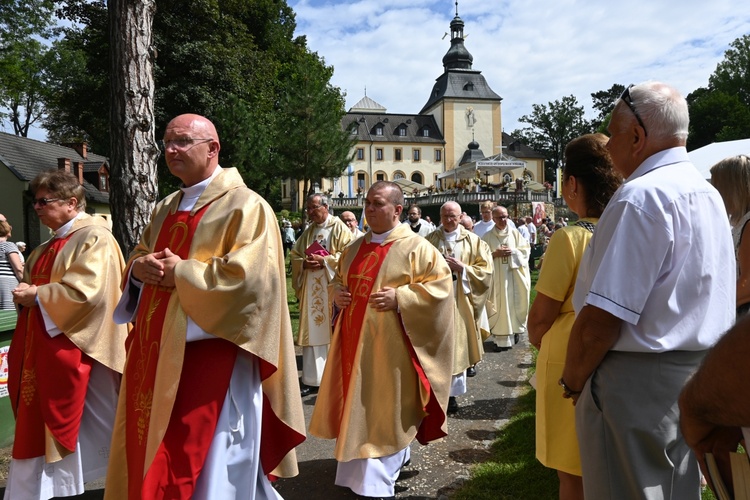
point(513, 472)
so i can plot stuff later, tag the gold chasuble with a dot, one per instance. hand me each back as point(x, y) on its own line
point(511, 285)
point(77, 281)
point(388, 373)
point(197, 405)
point(476, 255)
point(232, 286)
point(311, 286)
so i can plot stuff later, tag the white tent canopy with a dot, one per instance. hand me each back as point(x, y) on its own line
point(706, 157)
point(408, 186)
point(492, 165)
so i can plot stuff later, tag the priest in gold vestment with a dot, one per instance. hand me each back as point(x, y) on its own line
point(470, 261)
point(209, 405)
point(312, 271)
point(511, 281)
point(389, 368)
point(67, 356)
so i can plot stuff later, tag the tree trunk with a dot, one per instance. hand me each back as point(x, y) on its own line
point(134, 152)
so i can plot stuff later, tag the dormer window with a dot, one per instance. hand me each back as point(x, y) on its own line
point(402, 131)
point(426, 132)
point(379, 129)
point(103, 184)
point(469, 87)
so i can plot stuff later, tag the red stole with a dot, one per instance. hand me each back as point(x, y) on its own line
point(48, 376)
point(362, 274)
point(181, 454)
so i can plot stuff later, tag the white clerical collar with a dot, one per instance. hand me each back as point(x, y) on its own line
point(453, 235)
point(62, 231)
point(324, 223)
point(191, 194)
point(380, 238)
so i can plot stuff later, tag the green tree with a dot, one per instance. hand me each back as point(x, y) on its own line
point(312, 144)
point(23, 82)
point(552, 127)
point(79, 78)
point(20, 20)
point(732, 75)
point(604, 103)
point(721, 111)
point(24, 59)
point(247, 144)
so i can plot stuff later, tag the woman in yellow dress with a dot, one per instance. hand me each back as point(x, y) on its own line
point(588, 183)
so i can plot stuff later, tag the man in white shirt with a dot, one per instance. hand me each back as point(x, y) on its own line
point(655, 290)
point(484, 225)
point(531, 228)
point(521, 226)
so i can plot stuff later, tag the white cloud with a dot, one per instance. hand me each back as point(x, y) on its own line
point(530, 52)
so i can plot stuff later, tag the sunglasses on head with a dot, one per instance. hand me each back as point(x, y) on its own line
point(627, 99)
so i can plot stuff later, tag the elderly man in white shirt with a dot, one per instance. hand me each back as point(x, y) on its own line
point(655, 290)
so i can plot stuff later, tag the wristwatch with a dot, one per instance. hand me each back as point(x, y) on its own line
point(567, 391)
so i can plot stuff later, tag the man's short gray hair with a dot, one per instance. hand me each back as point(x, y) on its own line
point(323, 199)
point(663, 110)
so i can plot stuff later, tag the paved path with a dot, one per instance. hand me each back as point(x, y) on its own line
point(436, 469)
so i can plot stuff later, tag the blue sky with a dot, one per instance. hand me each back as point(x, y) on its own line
point(530, 51)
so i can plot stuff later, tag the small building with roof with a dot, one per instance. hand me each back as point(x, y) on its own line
point(21, 159)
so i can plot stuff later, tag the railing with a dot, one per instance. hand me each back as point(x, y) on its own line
point(499, 196)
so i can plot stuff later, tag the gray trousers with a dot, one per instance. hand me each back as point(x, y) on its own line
point(628, 427)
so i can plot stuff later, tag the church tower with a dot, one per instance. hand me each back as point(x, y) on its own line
point(464, 106)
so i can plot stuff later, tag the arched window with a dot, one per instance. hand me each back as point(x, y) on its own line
point(361, 180)
point(527, 176)
point(398, 174)
point(417, 177)
point(507, 177)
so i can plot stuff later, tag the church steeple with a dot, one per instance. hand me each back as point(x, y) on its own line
point(457, 56)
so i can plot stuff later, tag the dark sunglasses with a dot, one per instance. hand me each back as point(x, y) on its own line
point(625, 97)
point(42, 202)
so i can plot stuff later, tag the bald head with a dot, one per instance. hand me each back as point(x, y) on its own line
point(450, 214)
point(191, 148)
point(349, 219)
point(500, 217)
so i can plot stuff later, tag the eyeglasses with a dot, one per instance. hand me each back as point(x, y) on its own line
point(42, 202)
point(182, 143)
point(500, 217)
point(625, 97)
point(312, 209)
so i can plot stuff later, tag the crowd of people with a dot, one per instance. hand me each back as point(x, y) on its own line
point(173, 372)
